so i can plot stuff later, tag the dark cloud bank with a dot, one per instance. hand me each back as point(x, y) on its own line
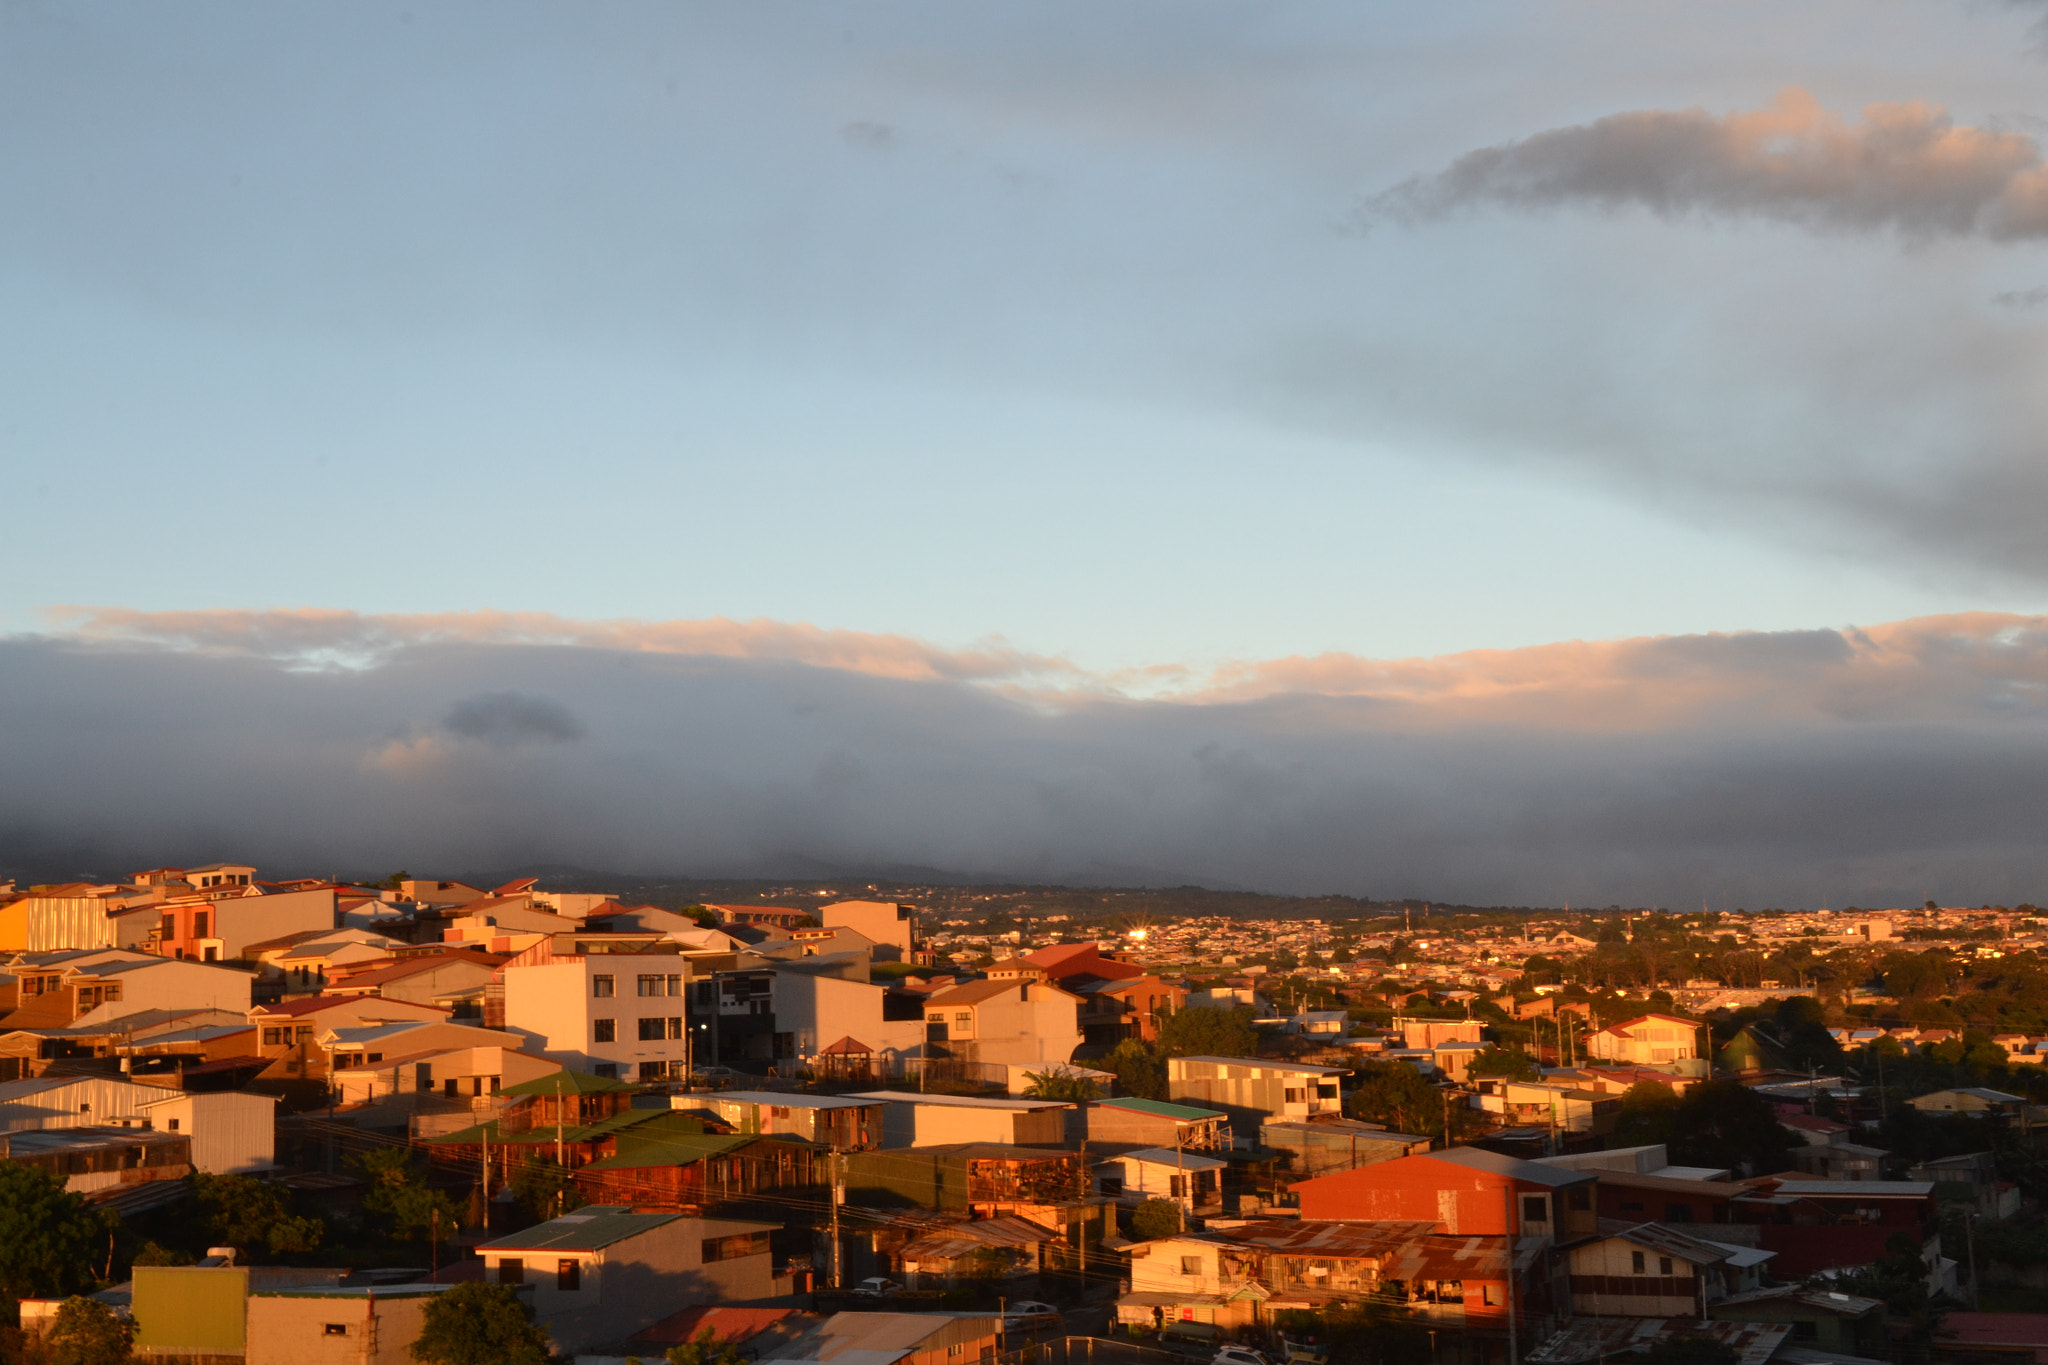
point(1925, 778)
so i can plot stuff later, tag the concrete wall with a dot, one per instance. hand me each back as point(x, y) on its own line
point(551, 1009)
point(931, 1125)
point(232, 1132)
point(376, 1328)
point(885, 923)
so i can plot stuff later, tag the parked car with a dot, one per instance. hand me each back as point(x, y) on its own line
point(1238, 1355)
point(1303, 1351)
point(717, 1077)
point(1028, 1315)
point(875, 1287)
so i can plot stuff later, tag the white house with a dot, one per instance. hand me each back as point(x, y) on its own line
point(233, 1132)
point(1015, 1017)
point(1189, 1179)
point(914, 1120)
point(615, 1014)
point(892, 928)
point(1647, 1040)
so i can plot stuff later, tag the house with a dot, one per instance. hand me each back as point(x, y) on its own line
point(786, 1013)
point(455, 1061)
point(305, 958)
point(1044, 1185)
point(1321, 1145)
point(896, 1339)
point(842, 1123)
point(332, 1325)
point(606, 1271)
point(890, 927)
point(1821, 1319)
point(1126, 1122)
point(1428, 1034)
point(915, 1120)
point(1653, 1271)
point(1976, 1100)
point(1229, 1280)
point(1651, 1159)
point(1647, 1040)
point(1978, 1338)
point(287, 1031)
point(1016, 1016)
point(83, 987)
point(219, 929)
point(108, 1165)
point(439, 894)
point(73, 915)
point(614, 1013)
point(1126, 1007)
point(452, 979)
point(193, 1312)
point(1841, 1161)
point(1004, 1247)
point(764, 916)
point(667, 1161)
point(1817, 1225)
point(1972, 1176)
point(1252, 1089)
point(1187, 1179)
point(1467, 1190)
point(233, 1132)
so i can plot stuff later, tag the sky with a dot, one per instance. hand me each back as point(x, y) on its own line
point(1357, 389)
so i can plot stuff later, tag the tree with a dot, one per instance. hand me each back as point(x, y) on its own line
point(1155, 1218)
point(480, 1324)
point(1206, 1031)
point(1649, 1113)
point(1726, 1124)
point(706, 1349)
point(1061, 1083)
point(1394, 1094)
point(1139, 1069)
point(409, 1206)
point(50, 1239)
point(1502, 1061)
point(544, 1189)
point(252, 1214)
point(87, 1332)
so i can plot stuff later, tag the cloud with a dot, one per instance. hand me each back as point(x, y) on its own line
point(1906, 168)
point(505, 719)
point(2022, 298)
point(1884, 764)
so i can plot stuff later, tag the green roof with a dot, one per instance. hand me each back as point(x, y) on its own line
point(545, 1133)
point(673, 1148)
point(587, 1229)
point(1165, 1110)
point(567, 1083)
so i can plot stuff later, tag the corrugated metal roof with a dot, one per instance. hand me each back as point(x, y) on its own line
point(587, 1229)
point(1161, 1109)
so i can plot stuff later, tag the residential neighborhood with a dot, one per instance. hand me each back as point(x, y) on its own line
point(844, 1127)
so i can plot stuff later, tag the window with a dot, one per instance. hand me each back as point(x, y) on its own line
point(1678, 1213)
point(1631, 1206)
point(935, 1017)
point(333, 1329)
point(1535, 1209)
point(651, 1029)
point(275, 1037)
point(675, 985)
point(1490, 1295)
point(608, 1070)
point(675, 1026)
point(511, 1270)
point(1663, 1265)
point(1294, 1094)
point(1173, 1186)
point(448, 1087)
point(963, 1017)
point(956, 1350)
point(601, 987)
point(168, 926)
point(604, 1030)
point(651, 985)
point(1112, 1185)
point(174, 1124)
point(568, 1275)
point(1190, 1265)
point(1635, 1263)
point(653, 1071)
point(199, 924)
point(733, 1247)
point(1326, 1090)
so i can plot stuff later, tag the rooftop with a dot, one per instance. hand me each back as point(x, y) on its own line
point(1161, 1109)
point(587, 1229)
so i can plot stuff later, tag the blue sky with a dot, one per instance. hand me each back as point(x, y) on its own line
point(1055, 324)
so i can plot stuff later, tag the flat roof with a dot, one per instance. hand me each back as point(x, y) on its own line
point(788, 1101)
point(1160, 1109)
point(1270, 1064)
point(957, 1101)
point(1846, 1189)
point(1166, 1156)
point(587, 1229)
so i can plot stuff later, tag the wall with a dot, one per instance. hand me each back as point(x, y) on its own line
point(190, 1310)
point(379, 1327)
point(81, 1101)
point(1606, 1283)
point(232, 1132)
point(551, 1009)
point(888, 925)
point(1468, 1202)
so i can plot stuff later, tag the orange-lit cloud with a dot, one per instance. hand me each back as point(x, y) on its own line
point(1907, 167)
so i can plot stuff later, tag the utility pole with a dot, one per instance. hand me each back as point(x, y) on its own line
point(838, 1197)
point(561, 1160)
point(485, 1129)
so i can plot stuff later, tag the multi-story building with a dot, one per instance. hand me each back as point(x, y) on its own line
point(1254, 1089)
point(620, 1014)
point(1015, 1017)
point(892, 928)
point(216, 928)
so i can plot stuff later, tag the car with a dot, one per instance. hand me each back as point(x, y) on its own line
point(720, 1076)
point(1029, 1315)
point(875, 1286)
point(1238, 1355)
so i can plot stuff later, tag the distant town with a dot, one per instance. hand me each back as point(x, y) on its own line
point(419, 1119)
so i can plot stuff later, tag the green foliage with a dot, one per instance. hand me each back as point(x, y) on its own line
point(480, 1324)
point(1206, 1031)
point(1396, 1095)
point(1060, 1083)
point(252, 1214)
point(1155, 1218)
point(1502, 1061)
point(1140, 1070)
point(544, 1189)
point(1723, 1123)
point(986, 1263)
point(1899, 1278)
point(87, 1332)
point(401, 1199)
point(706, 1349)
point(1649, 1113)
point(50, 1239)
point(1690, 1349)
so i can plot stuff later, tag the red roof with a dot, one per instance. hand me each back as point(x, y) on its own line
point(313, 1004)
point(732, 1325)
point(849, 1047)
point(518, 887)
point(1080, 959)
